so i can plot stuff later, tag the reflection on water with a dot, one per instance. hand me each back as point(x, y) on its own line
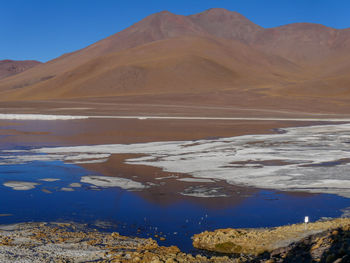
point(313, 159)
point(130, 213)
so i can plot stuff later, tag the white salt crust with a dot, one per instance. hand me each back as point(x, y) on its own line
point(313, 158)
point(106, 181)
point(20, 186)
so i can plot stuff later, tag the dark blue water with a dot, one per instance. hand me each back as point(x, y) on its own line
point(130, 214)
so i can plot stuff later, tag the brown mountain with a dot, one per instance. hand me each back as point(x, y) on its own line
point(12, 67)
point(171, 66)
point(215, 57)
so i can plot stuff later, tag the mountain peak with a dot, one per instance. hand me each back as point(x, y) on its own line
point(165, 24)
point(220, 12)
point(227, 24)
point(163, 13)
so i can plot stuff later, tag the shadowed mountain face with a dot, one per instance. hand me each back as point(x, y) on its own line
point(218, 53)
point(11, 67)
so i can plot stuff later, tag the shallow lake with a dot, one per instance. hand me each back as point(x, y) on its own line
point(50, 184)
point(115, 209)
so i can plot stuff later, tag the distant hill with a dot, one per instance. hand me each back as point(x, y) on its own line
point(12, 67)
point(216, 53)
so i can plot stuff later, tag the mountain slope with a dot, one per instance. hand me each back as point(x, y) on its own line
point(177, 65)
point(303, 43)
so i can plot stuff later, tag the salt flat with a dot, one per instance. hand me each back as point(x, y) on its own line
point(314, 158)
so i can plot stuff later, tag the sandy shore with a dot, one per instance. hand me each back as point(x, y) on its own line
point(223, 104)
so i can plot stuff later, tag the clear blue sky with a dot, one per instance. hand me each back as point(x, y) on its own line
point(45, 29)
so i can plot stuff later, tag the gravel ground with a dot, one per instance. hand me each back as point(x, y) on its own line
point(57, 242)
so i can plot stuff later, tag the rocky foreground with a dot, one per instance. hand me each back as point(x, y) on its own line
point(57, 242)
point(327, 241)
point(323, 241)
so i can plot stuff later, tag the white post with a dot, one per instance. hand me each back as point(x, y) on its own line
point(306, 220)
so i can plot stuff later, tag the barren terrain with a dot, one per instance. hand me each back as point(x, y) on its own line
point(215, 59)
